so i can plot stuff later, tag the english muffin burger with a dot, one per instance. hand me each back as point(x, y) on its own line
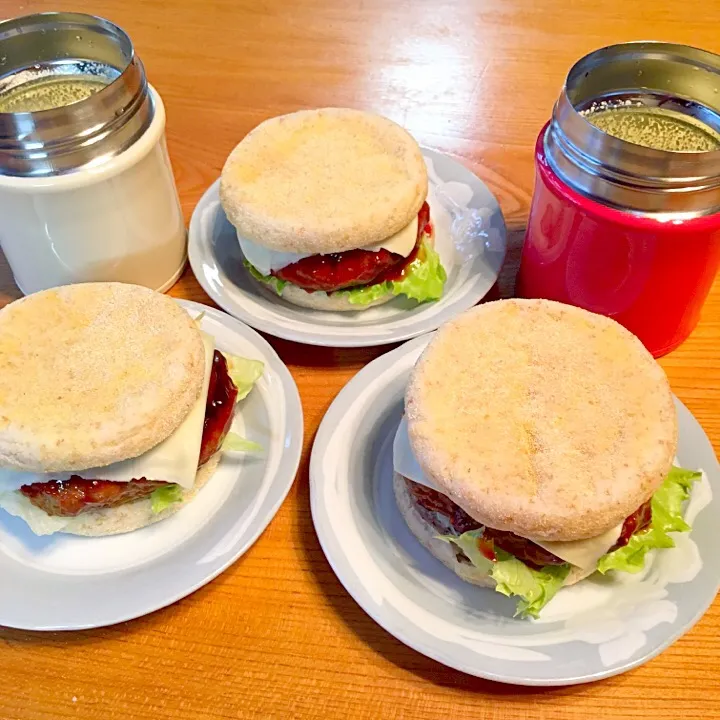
point(113, 408)
point(330, 210)
point(536, 448)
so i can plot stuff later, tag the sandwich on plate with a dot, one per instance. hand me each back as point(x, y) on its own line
point(537, 448)
point(114, 408)
point(331, 210)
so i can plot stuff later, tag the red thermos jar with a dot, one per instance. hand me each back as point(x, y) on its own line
point(628, 224)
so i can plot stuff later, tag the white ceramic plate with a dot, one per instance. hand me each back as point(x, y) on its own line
point(469, 235)
point(63, 582)
point(600, 627)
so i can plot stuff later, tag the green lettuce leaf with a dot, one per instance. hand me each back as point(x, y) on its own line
point(535, 588)
point(164, 497)
point(237, 443)
point(667, 502)
point(667, 506)
point(244, 373)
point(275, 283)
point(368, 294)
point(423, 280)
point(468, 543)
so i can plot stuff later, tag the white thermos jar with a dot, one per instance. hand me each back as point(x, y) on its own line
point(86, 187)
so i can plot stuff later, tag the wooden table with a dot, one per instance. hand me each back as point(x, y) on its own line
point(276, 636)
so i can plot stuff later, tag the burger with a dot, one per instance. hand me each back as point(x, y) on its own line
point(331, 212)
point(114, 408)
point(537, 448)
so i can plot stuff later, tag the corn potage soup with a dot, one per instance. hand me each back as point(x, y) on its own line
point(50, 92)
point(654, 127)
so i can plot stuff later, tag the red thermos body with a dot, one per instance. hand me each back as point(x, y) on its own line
point(620, 229)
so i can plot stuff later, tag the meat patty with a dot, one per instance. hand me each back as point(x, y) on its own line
point(441, 512)
point(430, 502)
point(353, 268)
point(77, 495)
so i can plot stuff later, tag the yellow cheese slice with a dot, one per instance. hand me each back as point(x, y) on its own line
point(401, 243)
point(584, 554)
point(267, 261)
point(174, 460)
point(404, 461)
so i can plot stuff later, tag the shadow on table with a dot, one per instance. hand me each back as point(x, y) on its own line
point(161, 621)
point(310, 356)
point(373, 635)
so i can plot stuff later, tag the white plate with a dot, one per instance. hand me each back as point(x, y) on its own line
point(63, 582)
point(469, 235)
point(600, 627)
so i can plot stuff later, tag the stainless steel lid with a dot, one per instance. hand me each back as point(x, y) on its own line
point(85, 133)
point(623, 174)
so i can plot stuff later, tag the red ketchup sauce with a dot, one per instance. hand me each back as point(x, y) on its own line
point(353, 268)
point(638, 521)
point(221, 398)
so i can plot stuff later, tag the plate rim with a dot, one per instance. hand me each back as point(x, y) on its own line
point(293, 452)
point(313, 338)
point(353, 583)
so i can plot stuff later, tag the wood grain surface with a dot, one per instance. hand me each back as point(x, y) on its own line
point(276, 636)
